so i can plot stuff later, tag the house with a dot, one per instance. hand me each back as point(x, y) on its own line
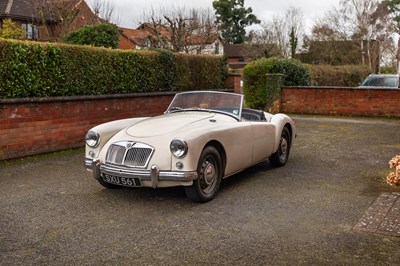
point(239, 55)
point(148, 36)
point(126, 42)
point(45, 20)
point(211, 45)
point(137, 39)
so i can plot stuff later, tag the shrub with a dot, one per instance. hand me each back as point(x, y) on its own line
point(294, 72)
point(102, 35)
point(342, 76)
point(31, 69)
point(10, 30)
point(263, 78)
point(393, 178)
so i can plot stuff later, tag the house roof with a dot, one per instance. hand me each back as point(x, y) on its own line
point(27, 9)
point(148, 30)
point(202, 39)
point(18, 9)
point(234, 50)
point(135, 35)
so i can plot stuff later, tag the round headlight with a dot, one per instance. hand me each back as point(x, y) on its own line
point(92, 139)
point(178, 148)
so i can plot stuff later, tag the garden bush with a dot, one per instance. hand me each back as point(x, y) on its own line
point(263, 78)
point(393, 178)
point(33, 69)
point(101, 35)
point(341, 76)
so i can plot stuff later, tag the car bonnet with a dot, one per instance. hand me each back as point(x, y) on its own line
point(168, 123)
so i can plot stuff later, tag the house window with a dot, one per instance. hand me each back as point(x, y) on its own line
point(216, 48)
point(31, 32)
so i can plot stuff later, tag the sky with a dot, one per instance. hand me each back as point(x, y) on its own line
point(130, 12)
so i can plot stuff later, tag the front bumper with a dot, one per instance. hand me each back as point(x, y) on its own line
point(154, 175)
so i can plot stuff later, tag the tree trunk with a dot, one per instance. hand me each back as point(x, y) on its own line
point(398, 56)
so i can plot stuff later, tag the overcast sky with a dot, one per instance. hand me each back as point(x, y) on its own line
point(131, 11)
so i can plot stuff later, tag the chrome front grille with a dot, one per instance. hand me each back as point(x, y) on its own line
point(132, 154)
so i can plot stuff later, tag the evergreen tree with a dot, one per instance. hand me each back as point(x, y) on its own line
point(293, 42)
point(233, 18)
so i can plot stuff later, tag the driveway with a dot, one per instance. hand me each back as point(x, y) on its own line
point(53, 212)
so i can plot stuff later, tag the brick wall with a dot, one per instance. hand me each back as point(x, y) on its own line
point(33, 126)
point(341, 101)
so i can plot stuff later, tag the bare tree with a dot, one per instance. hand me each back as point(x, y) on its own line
point(59, 17)
point(278, 30)
point(56, 16)
point(358, 20)
point(334, 25)
point(180, 29)
point(105, 9)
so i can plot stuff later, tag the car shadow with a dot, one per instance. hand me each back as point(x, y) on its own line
point(245, 175)
point(177, 194)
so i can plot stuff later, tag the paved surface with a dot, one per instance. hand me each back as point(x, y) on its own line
point(52, 212)
point(383, 217)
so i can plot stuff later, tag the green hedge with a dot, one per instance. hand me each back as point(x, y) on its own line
point(343, 76)
point(31, 69)
point(263, 78)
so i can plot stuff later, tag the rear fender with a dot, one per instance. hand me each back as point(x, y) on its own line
point(280, 121)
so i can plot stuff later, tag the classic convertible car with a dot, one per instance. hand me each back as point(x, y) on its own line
point(203, 137)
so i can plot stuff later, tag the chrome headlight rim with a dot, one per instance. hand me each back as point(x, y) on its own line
point(178, 147)
point(92, 139)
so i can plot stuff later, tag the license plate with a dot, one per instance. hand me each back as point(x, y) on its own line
point(122, 181)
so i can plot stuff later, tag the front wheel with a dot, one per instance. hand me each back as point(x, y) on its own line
point(281, 156)
point(209, 171)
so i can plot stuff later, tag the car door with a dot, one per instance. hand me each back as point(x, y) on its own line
point(263, 140)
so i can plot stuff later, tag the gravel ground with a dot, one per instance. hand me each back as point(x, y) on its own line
point(52, 212)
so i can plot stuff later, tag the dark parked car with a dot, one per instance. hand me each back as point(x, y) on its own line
point(381, 81)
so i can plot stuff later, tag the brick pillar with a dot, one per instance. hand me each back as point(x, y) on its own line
point(233, 82)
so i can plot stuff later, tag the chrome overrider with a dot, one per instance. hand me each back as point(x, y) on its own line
point(154, 174)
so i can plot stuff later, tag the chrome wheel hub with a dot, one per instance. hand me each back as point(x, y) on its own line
point(209, 174)
point(283, 149)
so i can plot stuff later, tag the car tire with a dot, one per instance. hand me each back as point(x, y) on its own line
point(209, 171)
point(281, 156)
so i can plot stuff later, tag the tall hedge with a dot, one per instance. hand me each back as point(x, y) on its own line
point(32, 69)
point(343, 76)
point(263, 78)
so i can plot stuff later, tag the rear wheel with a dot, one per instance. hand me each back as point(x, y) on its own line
point(209, 171)
point(281, 156)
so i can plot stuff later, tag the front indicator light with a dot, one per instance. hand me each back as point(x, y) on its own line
point(179, 165)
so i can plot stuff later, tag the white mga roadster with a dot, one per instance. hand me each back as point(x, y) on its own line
point(203, 137)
